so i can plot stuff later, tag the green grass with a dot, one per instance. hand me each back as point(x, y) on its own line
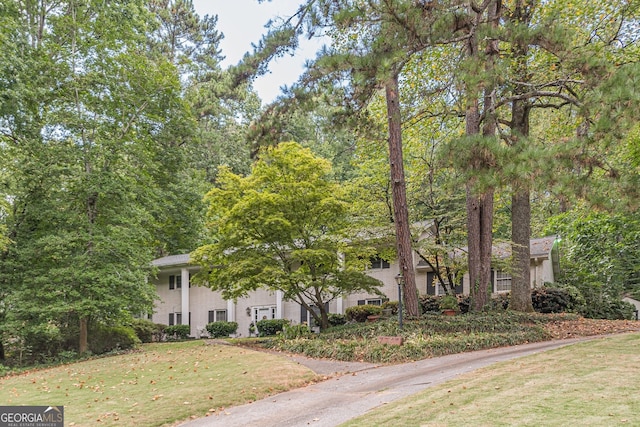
point(158, 385)
point(588, 384)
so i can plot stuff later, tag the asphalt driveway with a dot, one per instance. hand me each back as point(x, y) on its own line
point(359, 387)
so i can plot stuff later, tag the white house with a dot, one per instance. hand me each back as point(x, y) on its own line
point(181, 303)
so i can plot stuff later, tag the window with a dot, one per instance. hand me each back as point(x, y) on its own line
point(503, 281)
point(217, 316)
point(378, 262)
point(175, 282)
point(171, 321)
point(178, 318)
point(374, 301)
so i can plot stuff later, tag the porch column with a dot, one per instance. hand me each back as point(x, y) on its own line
point(340, 300)
point(231, 311)
point(184, 273)
point(279, 305)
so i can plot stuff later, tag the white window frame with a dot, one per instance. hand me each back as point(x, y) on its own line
point(502, 282)
point(219, 315)
point(260, 311)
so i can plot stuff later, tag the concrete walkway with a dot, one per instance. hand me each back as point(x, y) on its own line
point(361, 387)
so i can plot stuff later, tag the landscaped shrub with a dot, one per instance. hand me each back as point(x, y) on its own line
point(429, 304)
point(608, 307)
point(177, 332)
point(221, 329)
point(292, 332)
point(336, 319)
point(552, 300)
point(41, 343)
point(393, 305)
point(464, 302)
point(144, 329)
point(500, 301)
point(32, 344)
point(359, 313)
point(103, 339)
point(270, 327)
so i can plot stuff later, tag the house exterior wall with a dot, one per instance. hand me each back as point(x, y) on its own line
point(199, 301)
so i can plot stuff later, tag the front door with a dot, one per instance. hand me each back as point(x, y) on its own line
point(263, 313)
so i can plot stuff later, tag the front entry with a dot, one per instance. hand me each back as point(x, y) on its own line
point(264, 313)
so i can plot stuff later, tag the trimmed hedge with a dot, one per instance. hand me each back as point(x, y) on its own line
point(359, 313)
point(552, 300)
point(177, 332)
point(337, 319)
point(221, 329)
point(103, 339)
point(146, 330)
point(270, 327)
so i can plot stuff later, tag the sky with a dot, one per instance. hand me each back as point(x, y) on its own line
point(243, 22)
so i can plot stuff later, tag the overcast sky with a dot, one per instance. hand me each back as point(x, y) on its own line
point(242, 23)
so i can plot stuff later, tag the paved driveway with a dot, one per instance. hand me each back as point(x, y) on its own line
point(361, 388)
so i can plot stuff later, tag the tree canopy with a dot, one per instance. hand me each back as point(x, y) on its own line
point(283, 228)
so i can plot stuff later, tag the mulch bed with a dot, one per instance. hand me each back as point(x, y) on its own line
point(560, 329)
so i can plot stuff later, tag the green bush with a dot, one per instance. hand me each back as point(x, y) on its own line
point(177, 332)
point(103, 339)
point(42, 343)
point(449, 302)
point(144, 329)
point(608, 307)
point(336, 319)
point(221, 329)
point(552, 300)
point(270, 327)
point(429, 304)
point(292, 332)
point(393, 305)
point(359, 313)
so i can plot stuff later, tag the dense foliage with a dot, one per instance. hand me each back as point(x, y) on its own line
point(221, 329)
point(285, 228)
point(116, 119)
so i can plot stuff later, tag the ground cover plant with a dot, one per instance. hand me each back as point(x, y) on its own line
point(591, 383)
point(157, 385)
point(435, 335)
point(431, 335)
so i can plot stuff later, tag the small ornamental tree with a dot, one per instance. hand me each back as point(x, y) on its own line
point(283, 228)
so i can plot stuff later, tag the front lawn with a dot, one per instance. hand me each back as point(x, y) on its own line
point(157, 385)
point(593, 383)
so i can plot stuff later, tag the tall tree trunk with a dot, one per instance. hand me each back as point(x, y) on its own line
point(399, 193)
point(474, 210)
point(84, 334)
point(520, 199)
point(520, 237)
point(480, 201)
